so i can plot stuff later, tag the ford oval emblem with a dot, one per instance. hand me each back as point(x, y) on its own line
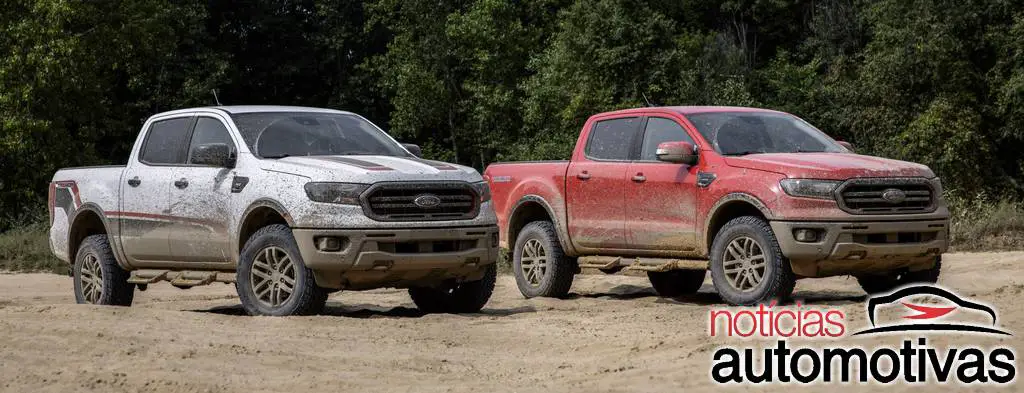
point(894, 196)
point(427, 201)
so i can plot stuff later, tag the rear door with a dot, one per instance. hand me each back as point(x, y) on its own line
point(663, 205)
point(201, 199)
point(595, 185)
point(144, 213)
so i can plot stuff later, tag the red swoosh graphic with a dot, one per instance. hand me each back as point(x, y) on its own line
point(927, 312)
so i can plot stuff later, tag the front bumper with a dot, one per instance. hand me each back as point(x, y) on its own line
point(373, 258)
point(862, 247)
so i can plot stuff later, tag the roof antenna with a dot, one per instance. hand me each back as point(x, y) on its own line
point(646, 100)
point(215, 98)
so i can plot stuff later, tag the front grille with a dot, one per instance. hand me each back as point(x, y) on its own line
point(396, 202)
point(868, 196)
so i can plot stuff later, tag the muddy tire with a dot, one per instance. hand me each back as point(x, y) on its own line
point(882, 283)
point(98, 278)
point(676, 283)
point(541, 267)
point(272, 278)
point(456, 298)
point(747, 265)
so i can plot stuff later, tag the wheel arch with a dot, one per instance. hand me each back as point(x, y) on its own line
point(534, 208)
point(89, 220)
point(259, 214)
point(728, 207)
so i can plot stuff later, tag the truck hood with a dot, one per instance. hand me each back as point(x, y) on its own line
point(832, 166)
point(371, 169)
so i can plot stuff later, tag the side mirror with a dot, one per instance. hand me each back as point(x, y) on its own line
point(677, 152)
point(414, 149)
point(212, 154)
point(846, 145)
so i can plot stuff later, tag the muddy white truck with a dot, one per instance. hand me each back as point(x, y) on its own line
point(288, 203)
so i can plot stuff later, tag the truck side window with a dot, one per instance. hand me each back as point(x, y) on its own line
point(612, 139)
point(660, 130)
point(209, 130)
point(165, 142)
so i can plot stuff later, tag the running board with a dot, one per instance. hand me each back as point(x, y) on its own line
point(616, 264)
point(180, 279)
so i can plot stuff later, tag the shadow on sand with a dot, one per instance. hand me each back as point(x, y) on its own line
point(708, 296)
point(372, 311)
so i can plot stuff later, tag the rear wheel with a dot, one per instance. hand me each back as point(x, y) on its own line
point(747, 265)
point(456, 298)
point(881, 283)
point(272, 278)
point(98, 278)
point(676, 283)
point(539, 264)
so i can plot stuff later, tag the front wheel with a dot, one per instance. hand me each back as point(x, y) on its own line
point(98, 277)
point(272, 278)
point(881, 283)
point(747, 265)
point(456, 298)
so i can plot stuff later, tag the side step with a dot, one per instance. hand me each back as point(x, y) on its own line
point(615, 264)
point(180, 279)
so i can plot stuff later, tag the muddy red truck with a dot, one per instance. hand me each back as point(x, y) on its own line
point(760, 198)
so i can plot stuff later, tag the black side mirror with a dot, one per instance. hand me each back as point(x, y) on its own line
point(846, 145)
point(212, 154)
point(414, 149)
point(677, 153)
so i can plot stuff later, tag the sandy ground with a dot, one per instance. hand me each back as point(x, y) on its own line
point(613, 334)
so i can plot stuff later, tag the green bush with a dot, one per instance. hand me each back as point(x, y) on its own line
point(27, 249)
point(980, 223)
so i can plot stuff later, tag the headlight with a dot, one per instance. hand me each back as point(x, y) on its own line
point(341, 193)
point(810, 188)
point(483, 190)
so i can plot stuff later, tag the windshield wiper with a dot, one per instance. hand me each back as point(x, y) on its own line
point(275, 156)
point(743, 153)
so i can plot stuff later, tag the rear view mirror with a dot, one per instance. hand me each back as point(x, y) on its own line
point(677, 152)
point(846, 145)
point(414, 149)
point(212, 154)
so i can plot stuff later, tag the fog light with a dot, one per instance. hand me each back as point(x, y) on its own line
point(806, 235)
point(328, 243)
point(494, 239)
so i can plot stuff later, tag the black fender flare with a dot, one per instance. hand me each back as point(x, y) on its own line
point(560, 225)
point(726, 200)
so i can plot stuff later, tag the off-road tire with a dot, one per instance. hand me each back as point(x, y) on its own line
point(560, 269)
point(882, 283)
point(676, 283)
point(778, 280)
point(306, 298)
point(456, 298)
point(116, 291)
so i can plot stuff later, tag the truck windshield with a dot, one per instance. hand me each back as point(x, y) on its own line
point(742, 133)
point(285, 134)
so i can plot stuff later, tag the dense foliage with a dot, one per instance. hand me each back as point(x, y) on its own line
point(474, 81)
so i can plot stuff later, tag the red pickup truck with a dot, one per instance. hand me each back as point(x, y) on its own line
point(759, 197)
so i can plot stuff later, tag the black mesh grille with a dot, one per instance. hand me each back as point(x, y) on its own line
point(397, 202)
point(868, 196)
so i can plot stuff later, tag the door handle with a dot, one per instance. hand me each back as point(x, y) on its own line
point(583, 175)
point(639, 178)
point(181, 183)
point(134, 182)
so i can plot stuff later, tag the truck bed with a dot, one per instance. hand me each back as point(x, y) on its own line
point(511, 182)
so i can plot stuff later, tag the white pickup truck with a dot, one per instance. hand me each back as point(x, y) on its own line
point(288, 203)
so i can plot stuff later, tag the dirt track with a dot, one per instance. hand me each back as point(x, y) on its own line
point(613, 335)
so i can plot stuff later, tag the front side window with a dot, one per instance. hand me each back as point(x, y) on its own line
point(209, 130)
point(612, 139)
point(284, 134)
point(660, 130)
point(166, 141)
point(741, 133)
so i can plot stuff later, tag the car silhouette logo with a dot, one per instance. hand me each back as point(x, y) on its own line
point(894, 196)
point(925, 313)
point(427, 201)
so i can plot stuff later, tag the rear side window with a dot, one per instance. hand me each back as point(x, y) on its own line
point(658, 131)
point(166, 141)
point(612, 139)
point(209, 130)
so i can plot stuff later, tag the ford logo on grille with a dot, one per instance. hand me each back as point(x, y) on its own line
point(427, 201)
point(894, 195)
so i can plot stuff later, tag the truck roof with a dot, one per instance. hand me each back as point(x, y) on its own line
point(233, 109)
point(689, 110)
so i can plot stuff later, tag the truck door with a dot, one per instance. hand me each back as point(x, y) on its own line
point(201, 199)
point(663, 205)
point(144, 216)
point(595, 185)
